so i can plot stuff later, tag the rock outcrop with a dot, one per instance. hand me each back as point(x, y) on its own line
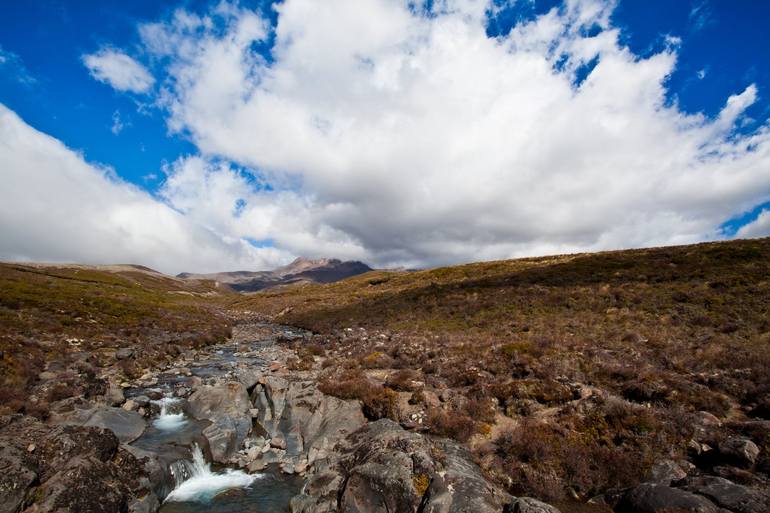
point(65, 469)
point(227, 407)
point(383, 468)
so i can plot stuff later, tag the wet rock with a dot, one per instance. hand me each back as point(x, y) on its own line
point(278, 442)
point(729, 495)
point(227, 407)
point(141, 400)
point(16, 478)
point(656, 498)
point(147, 504)
point(530, 505)
point(114, 395)
point(127, 425)
point(130, 405)
point(740, 451)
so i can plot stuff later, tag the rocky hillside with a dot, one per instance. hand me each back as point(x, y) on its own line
point(300, 271)
point(572, 377)
point(61, 326)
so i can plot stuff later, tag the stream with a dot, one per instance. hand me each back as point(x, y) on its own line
point(190, 482)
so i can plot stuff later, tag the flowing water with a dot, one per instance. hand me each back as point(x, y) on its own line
point(196, 482)
point(191, 484)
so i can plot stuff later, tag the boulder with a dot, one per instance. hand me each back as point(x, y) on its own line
point(16, 478)
point(227, 407)
point(728, 495)
point(381, 467)
point(656, 498)
point(739, 451)
point(666, 472)
point(85, 484)
point(72, 469)
point(127, 425)
point(114, 395)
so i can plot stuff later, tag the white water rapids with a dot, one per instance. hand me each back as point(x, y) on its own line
point(195, 480)
point(168, 421)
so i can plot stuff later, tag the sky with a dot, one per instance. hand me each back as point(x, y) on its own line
point(221, 135)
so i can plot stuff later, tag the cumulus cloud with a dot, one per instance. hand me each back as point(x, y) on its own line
point(410, 137)
point(55, 206)
point(119, 70)
point(760, 227)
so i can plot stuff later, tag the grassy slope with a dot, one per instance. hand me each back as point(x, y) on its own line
point(52, 314)
point(671, 330)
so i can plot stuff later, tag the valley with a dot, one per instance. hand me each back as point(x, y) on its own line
point(626, 381)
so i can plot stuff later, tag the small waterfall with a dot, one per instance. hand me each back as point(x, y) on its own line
point(196, 482)
point(169, 419)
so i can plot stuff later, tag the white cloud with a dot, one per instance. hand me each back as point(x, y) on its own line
point(760, 227)
point(54, 206)
point(410, 139)
point(117, 123)
point(119, 70)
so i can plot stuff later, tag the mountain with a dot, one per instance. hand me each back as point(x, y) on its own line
point(301, 270)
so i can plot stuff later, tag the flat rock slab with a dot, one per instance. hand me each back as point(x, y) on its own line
point(127, 425)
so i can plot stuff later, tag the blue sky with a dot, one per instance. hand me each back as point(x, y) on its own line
point(724, 39)
point(722, 48)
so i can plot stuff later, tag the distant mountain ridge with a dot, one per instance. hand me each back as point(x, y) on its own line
point(301, 270)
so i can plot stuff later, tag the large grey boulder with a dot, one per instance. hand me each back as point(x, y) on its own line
point(127, 425)
point(656, 498)
point(729, 495)
point(296, 417)
point(227, 407)
point(65, 468)
point(383, 468)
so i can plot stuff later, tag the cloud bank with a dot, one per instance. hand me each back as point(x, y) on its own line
point(406, 136)
point(401, 134)
point(54, 206)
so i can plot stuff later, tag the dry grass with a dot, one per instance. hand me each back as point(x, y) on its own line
point(670, 330)
point(54, 315)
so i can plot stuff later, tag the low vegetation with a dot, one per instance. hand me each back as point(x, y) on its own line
point(569, 375)
point(70, 321)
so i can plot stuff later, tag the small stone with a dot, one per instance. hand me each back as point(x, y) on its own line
point(31, 448)
point(257, 465)
point(130, 405)
point(254, 412)
point(124, 353)
point(278, 442)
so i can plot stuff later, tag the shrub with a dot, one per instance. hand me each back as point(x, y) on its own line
point(450, 424)
point(378, 402)
point(403, 380)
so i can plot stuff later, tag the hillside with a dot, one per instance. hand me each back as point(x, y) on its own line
point(300, 271)
point(548, 364)
point(72, 320)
